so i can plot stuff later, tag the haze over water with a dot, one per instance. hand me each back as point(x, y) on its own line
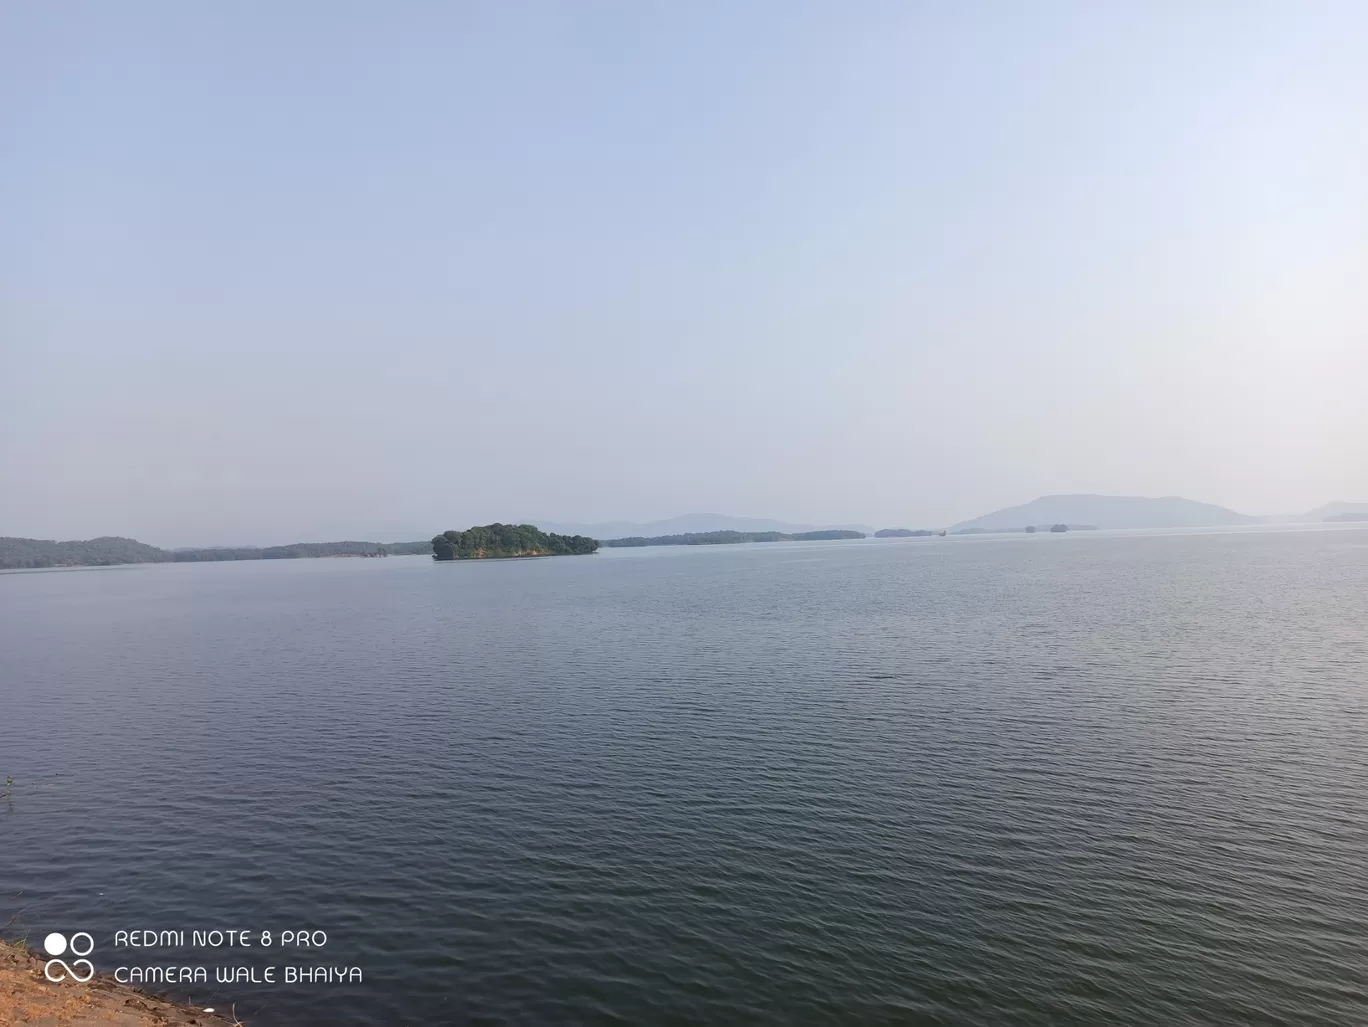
point(1103, 778)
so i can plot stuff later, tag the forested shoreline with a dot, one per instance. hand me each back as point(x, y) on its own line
point(110, 550)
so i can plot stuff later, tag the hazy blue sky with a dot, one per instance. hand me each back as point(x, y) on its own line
point(284, 271)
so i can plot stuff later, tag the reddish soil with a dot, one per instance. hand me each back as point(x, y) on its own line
point(28, 998)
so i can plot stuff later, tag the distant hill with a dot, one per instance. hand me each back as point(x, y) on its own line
point(1108, 512)
point(1336, 511)
point(722, 538)
point(19, 553)
point(1328, 512)
point(690, 524)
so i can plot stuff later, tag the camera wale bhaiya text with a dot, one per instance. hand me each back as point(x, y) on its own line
point(237, 940)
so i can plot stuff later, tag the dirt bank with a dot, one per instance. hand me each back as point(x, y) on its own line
point(28, 998)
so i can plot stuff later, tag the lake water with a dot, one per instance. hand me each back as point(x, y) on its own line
point(1082, 779)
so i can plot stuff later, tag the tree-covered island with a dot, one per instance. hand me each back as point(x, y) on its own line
point(493, 541)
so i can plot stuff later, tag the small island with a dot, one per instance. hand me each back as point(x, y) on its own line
point(501, 541)
point(903, 533)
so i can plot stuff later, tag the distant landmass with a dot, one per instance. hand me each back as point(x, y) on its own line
point(500, 541)
point(690, 524)
point(21, 553)
point(96, 552)
point(1107, 512)
point(1319, 515)
point(1337, 511)
point(722, 538)
point(1077, 512)
point(302, 550)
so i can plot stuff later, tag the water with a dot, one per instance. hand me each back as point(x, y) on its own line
point(1087, 779)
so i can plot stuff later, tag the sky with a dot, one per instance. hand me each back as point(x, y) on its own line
point(272, 272)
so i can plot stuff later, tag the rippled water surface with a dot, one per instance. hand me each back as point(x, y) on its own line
point(1090, 779)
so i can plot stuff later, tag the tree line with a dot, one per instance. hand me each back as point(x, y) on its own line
point(32, 553)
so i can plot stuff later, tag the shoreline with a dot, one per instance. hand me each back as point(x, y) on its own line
point(27, 997)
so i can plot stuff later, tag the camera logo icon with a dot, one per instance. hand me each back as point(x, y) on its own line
point(56, 944)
